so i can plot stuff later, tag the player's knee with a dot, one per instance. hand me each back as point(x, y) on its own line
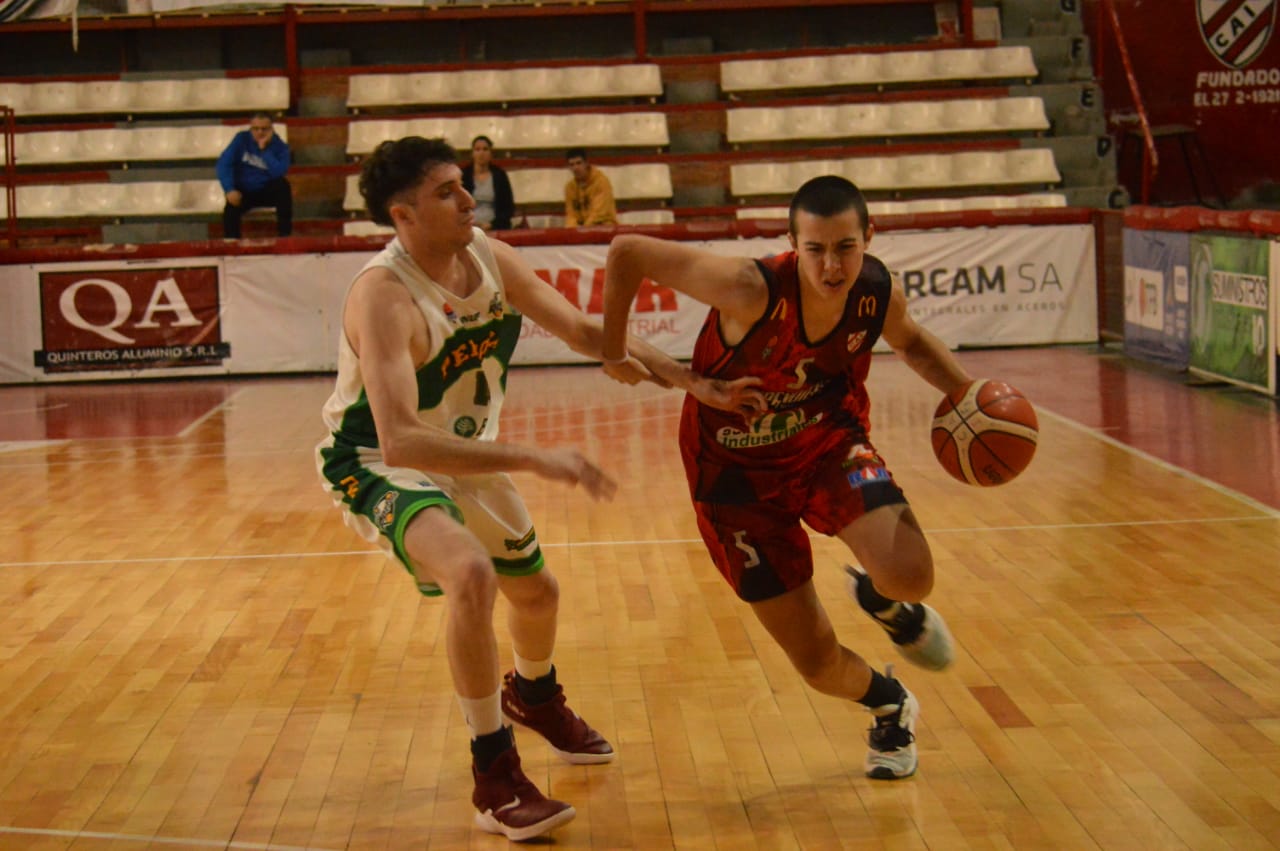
point(472, 586)
point(536, 594)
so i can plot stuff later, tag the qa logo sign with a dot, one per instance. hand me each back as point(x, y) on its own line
point(128, 319)
point(1236, 31)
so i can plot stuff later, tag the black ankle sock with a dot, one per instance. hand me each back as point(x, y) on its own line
point(537, 691)
point(882, 692)
point(870, 599)
point(485, 749)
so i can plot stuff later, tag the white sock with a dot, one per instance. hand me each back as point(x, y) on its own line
point(531, 670)
point(483, 715)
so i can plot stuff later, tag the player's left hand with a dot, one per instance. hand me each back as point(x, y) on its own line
point(741, 396)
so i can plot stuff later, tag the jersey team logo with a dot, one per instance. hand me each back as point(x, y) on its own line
point(1236, 31)
point(384, 513)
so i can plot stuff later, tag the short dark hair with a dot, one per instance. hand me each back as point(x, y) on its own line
point(575, 152)
point(399, 166)
point(482, 138)
point(828, 195)
point(261, 114)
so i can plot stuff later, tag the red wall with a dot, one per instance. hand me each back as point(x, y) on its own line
point(1232, 101)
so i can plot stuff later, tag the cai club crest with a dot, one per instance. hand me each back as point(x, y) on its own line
point(1236, 31)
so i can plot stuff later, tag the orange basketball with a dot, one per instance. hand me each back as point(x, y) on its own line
point(986, 434)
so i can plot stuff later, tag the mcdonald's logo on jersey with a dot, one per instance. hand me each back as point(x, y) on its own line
point(866, 306)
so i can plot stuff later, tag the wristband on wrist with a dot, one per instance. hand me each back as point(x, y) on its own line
point(625, 357)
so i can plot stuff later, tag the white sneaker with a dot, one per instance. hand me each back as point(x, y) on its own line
point(892, 740)
point(932, 649)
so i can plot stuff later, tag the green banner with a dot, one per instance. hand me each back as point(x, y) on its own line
point(1231, 323)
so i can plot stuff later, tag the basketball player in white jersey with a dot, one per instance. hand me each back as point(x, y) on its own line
point(428, 331)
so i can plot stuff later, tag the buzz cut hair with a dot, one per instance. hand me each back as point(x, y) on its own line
point(826, 196)
point(398, 167)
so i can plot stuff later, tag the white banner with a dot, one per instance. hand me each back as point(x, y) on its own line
point(665, 318)
point(1006, 286)
point(282, 313)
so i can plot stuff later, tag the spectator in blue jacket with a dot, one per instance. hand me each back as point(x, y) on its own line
point(251, 171)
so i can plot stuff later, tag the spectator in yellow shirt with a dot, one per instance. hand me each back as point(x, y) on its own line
point(588, 196)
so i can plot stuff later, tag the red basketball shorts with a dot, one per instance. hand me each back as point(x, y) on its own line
point(750, 519)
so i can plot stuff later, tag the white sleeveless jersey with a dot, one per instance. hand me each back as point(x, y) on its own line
point(463, 380)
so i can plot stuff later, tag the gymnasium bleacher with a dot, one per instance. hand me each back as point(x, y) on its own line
point(934, 127)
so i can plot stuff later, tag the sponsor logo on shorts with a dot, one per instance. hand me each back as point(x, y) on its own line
point(863, 475)
point(384, 513)
point(865, 465)
point(862, 455)
point(464, 426)
point(515, 545)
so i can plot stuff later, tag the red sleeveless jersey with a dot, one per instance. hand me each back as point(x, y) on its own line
point(815, 389)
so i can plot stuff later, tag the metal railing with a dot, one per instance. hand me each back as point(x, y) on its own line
point(1108, 18)
point(8, 117)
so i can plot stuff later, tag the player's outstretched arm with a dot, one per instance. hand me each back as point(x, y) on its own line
point(920, 348)
point(533, 297)
point(732, 285)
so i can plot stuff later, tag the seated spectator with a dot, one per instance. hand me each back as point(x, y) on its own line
point(490, 186)
point(251, 171)
point(588, 196)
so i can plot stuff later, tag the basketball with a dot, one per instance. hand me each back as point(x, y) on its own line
point(986, 434)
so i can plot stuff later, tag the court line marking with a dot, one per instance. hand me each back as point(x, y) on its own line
point(22, 445)
point(199, 421)
point(160, 840)
point(655, 542)
point(37, 409)
point(1222, 489)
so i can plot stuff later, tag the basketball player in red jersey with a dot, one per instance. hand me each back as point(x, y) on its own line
point(803, 323)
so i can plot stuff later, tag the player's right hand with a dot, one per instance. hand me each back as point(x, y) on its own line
point(571, 466)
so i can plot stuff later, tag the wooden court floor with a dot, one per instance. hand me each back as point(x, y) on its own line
point(196, 653)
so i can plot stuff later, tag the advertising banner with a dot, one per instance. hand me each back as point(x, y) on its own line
point(1231, 306)
point(1006, 286)
point(283, 313)
point(665, 318)
point(993, 287)
point(112, 319)
point(131, 319)
point(1275, 304)
point(1157, 297)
